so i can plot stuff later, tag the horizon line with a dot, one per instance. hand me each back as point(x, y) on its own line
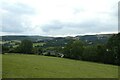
point(67, 35)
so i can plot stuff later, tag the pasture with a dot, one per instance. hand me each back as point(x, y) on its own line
point(38, 44)
point(35, 66)
point(0, 66)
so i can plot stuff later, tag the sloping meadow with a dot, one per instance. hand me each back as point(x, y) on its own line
point(34, 66)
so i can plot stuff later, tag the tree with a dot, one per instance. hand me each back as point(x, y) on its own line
point(90, 53)
point(5, 49)
point(67, 50)
point(26, 46)
point(77, 49)
point(74, 50)
point(113, 46)
point(37, 50)
point(101, 52)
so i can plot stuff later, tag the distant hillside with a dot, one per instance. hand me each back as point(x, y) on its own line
point(33, 38)
point(101, 38)
point(7, 38)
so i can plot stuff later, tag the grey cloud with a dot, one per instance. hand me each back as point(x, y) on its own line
point(13, 20)
point(83, 24)
point(57, 26)
point(12, 23)
point(18, 8)
point(90, 26)
point(53, 26)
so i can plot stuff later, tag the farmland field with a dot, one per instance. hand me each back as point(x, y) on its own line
point(38, 44)
point(34, 66)
point(0, 66)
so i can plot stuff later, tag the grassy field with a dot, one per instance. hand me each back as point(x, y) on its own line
point(0, 66)
point(38, 44)
point(34, 66)
point(3, 42)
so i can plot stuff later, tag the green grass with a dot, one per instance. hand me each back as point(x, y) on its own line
point(36, 44)
point(0, 66)
point(3, 42)
point(35, 66)
point(0, 42)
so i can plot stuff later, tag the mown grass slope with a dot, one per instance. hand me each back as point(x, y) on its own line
point(0, 66)
point(35, 66)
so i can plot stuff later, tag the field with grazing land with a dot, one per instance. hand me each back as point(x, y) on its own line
point(38, 44)
point(3, 42)
point(34, 66)
point(0, 66)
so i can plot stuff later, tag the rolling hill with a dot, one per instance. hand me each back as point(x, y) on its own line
point(34, 66)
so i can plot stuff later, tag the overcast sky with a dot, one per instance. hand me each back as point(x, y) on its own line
point(58, 17)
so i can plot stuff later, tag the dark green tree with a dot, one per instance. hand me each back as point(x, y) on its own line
point(74, 50)
point(90, 53)
point(67, 50)
point(113, 46)
point(37, 50)
point(101, 52)
point(77, 49)
point(5, 49)
point(26, 46)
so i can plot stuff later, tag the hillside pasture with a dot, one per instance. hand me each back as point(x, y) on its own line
point(0, 66)
point(34, 66)
point(38, 44)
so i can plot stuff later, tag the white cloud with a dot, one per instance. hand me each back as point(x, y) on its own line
point(72, 16)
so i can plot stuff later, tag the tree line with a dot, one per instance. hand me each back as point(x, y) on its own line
point(76, 49)
point(108, 53)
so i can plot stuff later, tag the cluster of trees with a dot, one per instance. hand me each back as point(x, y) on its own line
point(57, 42)
point(114, 47)
point(26, 47)
point(76, 49)
point(102, 53)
